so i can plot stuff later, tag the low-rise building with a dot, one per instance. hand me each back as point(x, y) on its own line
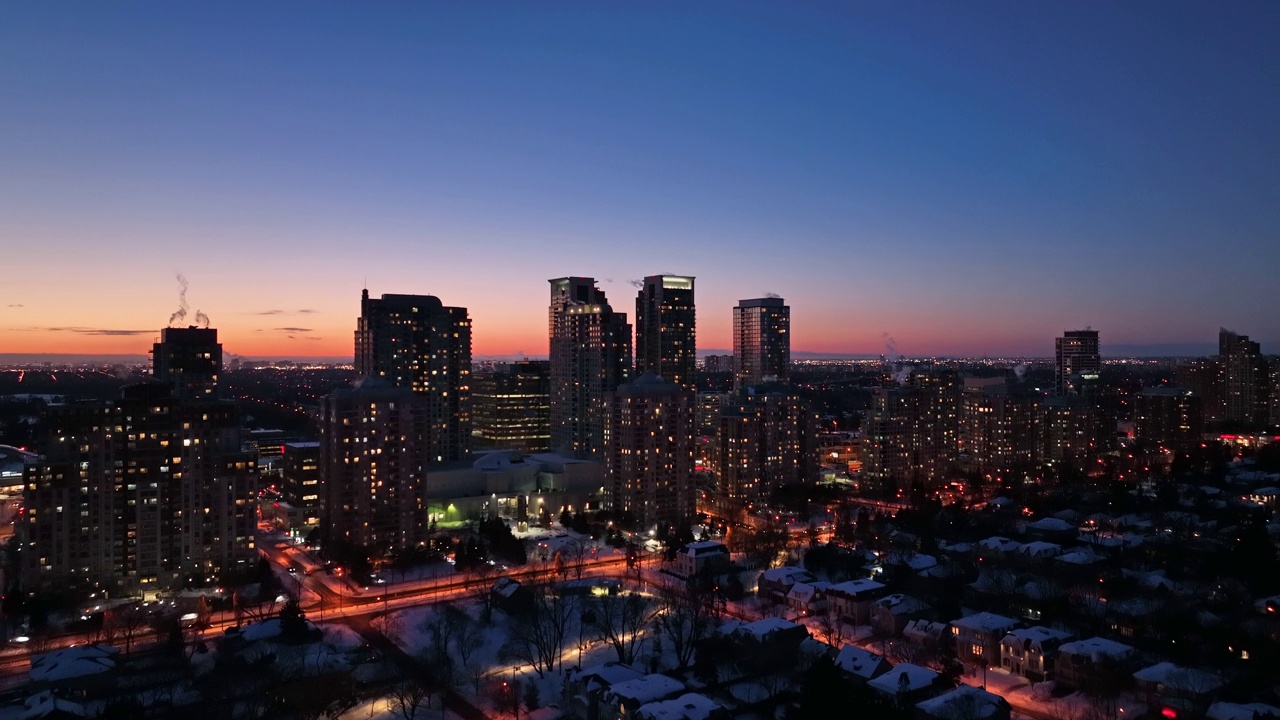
point(965, 702)
point(852, 600)
point(861, 665)
point(1180, 689)
point(907, 684)
point(891, 613)
point(1030, 652)
point(978, 636)
point(623, 700)
point(1083, 663)
point(695, 557)
point(585, 689)
point(775, 583)
point(690, 706)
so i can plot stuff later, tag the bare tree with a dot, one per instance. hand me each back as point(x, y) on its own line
point(538, 637)
point(831, 624)
point(407, 697)
point(468, 640)
point(621, 620)
point(575, 558)
point(684, 618)
point(485, 573)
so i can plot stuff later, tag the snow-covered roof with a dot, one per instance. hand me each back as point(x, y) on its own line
point(506, 587)
point(1084, 556)
point(1039, 549)
point(786, 575)
point(998, 543)
point(690, 706)
point(646, 689)
point(899, 604)
point(1097, 648)
point(858, 662)
point(1038, 636)
point(45, 703)
point(705, 547)
point(805, 592)
point(605, 675)
point(856, 587)
point(1051, 524)
point(924, 629)
point(72, 662)
point(1238, 711)
point(1179, 678)
point(966, 702)
point(985, 622)
point(764, 627)
point(891, 682)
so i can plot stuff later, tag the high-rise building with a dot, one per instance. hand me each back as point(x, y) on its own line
point(995, 427)
point(373, 460)
point(761, 342)
point(590, 348)
point(666, 329)
point(1079, 362)
point(1066, 433)
point(767, 439)
point(300, 481)
point(717, 364)
point(1170, 416)
point(145, 493)
point(415, 342)
point(513, 407)
point(910, 434)
point(1203, 377)
point(649, 450)
point(1245, 380)
point(188, 360)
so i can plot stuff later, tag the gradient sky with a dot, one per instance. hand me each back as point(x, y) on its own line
point(966, 179)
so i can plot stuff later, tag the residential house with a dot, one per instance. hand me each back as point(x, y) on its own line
point(623, 700)
point(1083, 664)
point(775, 583)
point(584, 689)
point(690, 706)
point(965, 702)
point(852, 599)
point(906, 684)
point(978, 636)
point(1030, 652)
point(861, 665)
point(808, 598)
point(890, 614)
point(1182, 690)
point(694, 557)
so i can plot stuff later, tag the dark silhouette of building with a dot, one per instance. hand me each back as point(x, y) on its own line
point(910, 432)
point(995, 428)
point(666, 329)
point(145, 493)
point(373, 459)
point(1170, 416)
point(1245, 380)
point(513, 407)
point(1078, 362)
point(649, 450)
point(761, 342)
point(767, 438)
point(300, 481)
point(717, 364)
point(188, 360)
point(415, 342)
point(590, 348)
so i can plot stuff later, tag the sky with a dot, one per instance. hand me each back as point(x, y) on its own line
point(948, 178)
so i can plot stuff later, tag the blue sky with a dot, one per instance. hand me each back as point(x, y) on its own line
point(964, 178)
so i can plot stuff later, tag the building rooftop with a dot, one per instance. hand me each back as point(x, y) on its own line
point(985, 622)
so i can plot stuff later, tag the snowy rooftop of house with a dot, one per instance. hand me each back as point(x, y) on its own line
point(1051, 524)
point(786, 575)
point(1039, 549)
point(647, 689)
point(45, 703)
point(690, 706)
point(996, 542)
point(854, 587)
point(1179, 678)
point(966, 701)
point(899, 604)
point(858, 662)
point(606, 674)
point(1097, 648)
point(921, 629)
point(705, 547)
point(71, 662)
point(958, 547)
point(1038, 635)
point(765, 626)
point(1236, 711)
point(917, 678)
point(804, 592)
point(1083, 556)
point(985, 622)
point(506, 586)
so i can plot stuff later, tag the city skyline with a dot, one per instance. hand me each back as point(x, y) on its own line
point(939, 183)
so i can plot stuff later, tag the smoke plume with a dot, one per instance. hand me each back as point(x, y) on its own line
point(201, 319)
point(1019, 370)
point(181, 313)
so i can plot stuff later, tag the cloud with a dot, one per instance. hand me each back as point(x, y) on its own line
point(286, 330)
point(111, 332)
point(17, 305)
point(303, 311)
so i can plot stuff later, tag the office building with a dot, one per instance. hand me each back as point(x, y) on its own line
point(1078, 362)
point(767, 438)
point(415, 342)
point(188, 360)
point(761, 342)
point(1168, 416)
point(590, 348)
point(649, 451)
point(145, 493)
point(1245, 380)
point(512, 405)
point(300, 484)
point(666, 329)
point(910, 433)
point(373, 460)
